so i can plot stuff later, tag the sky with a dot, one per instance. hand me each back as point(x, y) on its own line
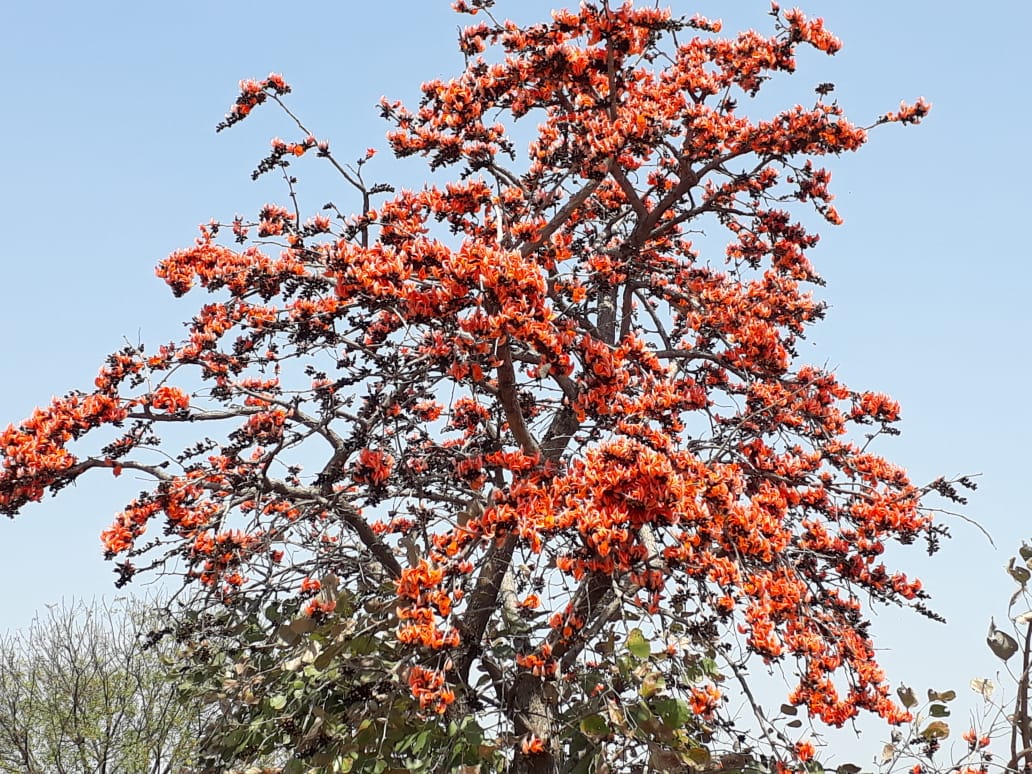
point(112, 161)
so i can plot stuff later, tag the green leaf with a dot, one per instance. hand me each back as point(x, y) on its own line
point(935, 730)
point(278, 702)
point(362, 646)
point(419, 743)
point(710, 668)
point(941, 695)
point(638, 645)
point(939, 711)
point(848, 768)
point(674, 713)
point(641, 714)
point(595, 726)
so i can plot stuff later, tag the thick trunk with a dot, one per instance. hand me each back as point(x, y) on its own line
point(533, 703)
point(533, 714)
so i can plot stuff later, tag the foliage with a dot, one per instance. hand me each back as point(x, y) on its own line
point(80, 691)
point(320, 690)
point(514, 464)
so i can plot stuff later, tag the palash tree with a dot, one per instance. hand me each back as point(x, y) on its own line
point(507, 471)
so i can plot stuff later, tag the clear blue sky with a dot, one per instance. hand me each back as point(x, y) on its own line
point(111, 161)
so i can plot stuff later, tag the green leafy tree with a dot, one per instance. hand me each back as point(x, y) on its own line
point(82, 693)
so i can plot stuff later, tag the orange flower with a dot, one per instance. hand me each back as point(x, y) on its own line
point(704, 699)
point(805, 751)
point(320, 607)
point(428, 687)
point(532, 745)
point(373, 466)
point(116, 539)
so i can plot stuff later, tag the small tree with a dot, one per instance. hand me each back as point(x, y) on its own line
point(534, 475)
point(81, 692)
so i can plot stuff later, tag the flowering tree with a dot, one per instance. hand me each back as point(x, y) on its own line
point(509, 452)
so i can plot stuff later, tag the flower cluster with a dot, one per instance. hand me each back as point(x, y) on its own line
point(430, 689)
point(252, 94)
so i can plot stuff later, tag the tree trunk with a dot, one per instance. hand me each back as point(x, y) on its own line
point(533, 714)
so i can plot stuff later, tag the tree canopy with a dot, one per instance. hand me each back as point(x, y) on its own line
point(515, 470)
